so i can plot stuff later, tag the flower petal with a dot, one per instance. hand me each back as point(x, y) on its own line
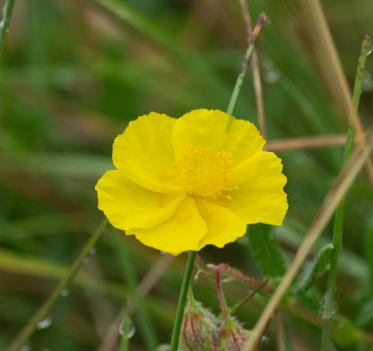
point(144, 152)
point(218, 130)
point(260, 196)
point(201, 127)
point(223, 225)
point(243, 140)
point(128, 205)
point(181, 232)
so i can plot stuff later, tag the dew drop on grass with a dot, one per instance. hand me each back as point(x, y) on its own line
point(43, 324)
point(65, 293)
point(367, 82)
point(130, 329)
point(91, 253)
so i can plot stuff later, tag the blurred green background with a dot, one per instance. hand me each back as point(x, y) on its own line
point(74, 73)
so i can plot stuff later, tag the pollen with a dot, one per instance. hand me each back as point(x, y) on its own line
point(205, 172)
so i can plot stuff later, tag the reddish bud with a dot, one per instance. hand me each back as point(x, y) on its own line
point(232, 336)
point(199, 328)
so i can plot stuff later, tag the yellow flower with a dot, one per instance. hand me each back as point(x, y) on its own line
point(181, 184)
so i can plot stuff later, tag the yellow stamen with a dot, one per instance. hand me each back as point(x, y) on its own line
point(205, 172)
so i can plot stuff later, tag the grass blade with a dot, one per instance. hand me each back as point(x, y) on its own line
point(328, 303)
point(29, 328)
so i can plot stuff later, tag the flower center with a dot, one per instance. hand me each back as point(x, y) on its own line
point(205, 172)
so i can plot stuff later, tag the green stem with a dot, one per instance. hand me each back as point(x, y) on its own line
point(124, 340)
point(329, 304)
point(5, 20)
point(241, 75)
point(29, 328)
point(182, 301)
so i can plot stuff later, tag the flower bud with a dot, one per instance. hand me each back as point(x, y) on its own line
point(199, 328)
point(232, 336)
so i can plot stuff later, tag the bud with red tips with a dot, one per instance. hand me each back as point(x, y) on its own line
point(232, 336)
point(199, 328)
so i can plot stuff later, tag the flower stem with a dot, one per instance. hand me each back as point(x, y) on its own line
point(5, 20)
point(329, 309)
point(182, 301)
point(263, 19)
point(29, 328)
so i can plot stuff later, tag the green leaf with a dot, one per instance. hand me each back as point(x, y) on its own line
point(266, 251)
point(319, 266)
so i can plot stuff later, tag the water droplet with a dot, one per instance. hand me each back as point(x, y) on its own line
point(45, 323)
point(65, 293)
point(92, 252)
point(369, 51)
point(271, 73)
point(367, 82)
point(327, 311)
point(26, 347)
point(164, 347)
point(129, 329)
point(264, 341)
point(271, 77)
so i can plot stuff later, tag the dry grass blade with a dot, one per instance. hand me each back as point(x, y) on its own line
point(255, 69)
point(303, 143)
point(331, 201)
point(332, 68)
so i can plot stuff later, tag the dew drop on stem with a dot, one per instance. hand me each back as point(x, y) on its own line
point(127, 330)
point(45, 323)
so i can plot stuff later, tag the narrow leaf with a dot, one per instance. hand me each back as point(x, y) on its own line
point(319, 266)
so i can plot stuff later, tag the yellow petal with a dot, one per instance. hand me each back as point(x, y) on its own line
point(217, 130)
point(144, 152)
point(260, 196)
point(181, 232)
point(128, 205)
point(223, 226)
point(243, 140)
point(202, 128)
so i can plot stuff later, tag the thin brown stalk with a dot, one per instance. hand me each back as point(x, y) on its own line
point(304, 143)
point(257, 81)
point(331, 201)
point(233, 272)
point(332, 69)
point(280, 332)
point(220, 292)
